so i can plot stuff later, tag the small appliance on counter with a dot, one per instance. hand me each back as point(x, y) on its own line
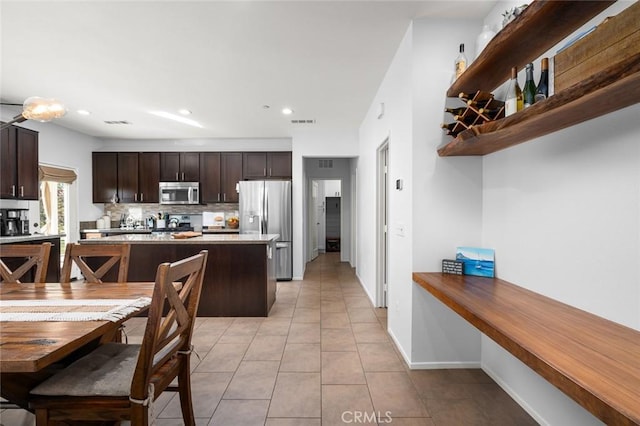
point(14, 222)
point(213, 220)
point(174, 223)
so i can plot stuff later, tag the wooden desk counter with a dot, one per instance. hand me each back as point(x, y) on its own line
point(593, 360)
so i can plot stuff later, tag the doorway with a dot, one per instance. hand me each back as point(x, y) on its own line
point(325, 216)
point(57, 209)
point(314, 222)
point(323, 170)
point(382, 241)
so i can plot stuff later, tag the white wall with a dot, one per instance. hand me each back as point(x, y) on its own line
point(439, 207)
point(563, 213)
point(447, 202)
point(222, 145)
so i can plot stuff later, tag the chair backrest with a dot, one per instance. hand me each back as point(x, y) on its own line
point(78, 253)
point(166, 337)
point(36, 255)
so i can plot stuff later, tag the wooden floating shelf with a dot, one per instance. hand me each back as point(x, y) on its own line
point(599, 94)
point(540, 26)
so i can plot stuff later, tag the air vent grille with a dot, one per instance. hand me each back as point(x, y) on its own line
point(325, 164)
point(117, 122)
point(303, 121)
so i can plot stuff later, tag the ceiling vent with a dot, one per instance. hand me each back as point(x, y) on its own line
point(116, 122)
point(303, 121)
point(325, 164)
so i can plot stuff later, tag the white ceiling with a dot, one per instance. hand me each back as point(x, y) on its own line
point(223, 60)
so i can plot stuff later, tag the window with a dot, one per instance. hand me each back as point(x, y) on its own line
point(54, 214)
point(55, 195)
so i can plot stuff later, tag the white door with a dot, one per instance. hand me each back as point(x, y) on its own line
point(382, 237)
point(313, 220)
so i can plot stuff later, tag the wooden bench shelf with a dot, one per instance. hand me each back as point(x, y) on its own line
point(594, 361)
point(599, 94)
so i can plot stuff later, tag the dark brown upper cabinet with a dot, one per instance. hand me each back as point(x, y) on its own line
point(220, 172)
point(179, 166)
point(266, 165)
point(210, 190)
point(131, 176)
point(149, 176)
point(138, 177)
point(19, 160)
point(105, 176)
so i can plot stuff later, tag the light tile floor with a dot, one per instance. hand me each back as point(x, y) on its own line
point(322, 357)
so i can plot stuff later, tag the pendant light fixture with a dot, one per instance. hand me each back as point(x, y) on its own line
point(39, 109)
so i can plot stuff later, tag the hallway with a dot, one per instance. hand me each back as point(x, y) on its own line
point(322, 357)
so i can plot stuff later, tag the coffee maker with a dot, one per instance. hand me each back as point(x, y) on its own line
point(14, 222)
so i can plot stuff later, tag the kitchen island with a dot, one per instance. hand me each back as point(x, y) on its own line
point(240, 278)
point(53, 268)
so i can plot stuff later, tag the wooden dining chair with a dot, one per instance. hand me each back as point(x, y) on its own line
point(119, 381)
point(80, 254)
point(36, 255)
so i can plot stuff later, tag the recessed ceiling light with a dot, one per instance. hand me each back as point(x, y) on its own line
point(184, 111)
point(177, 118)
point(83, 112)
point(287, 111)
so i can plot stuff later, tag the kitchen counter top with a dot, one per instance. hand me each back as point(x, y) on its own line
point(166, 238)
point(27, 238)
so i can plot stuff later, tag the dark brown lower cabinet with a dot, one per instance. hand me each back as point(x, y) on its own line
point(53, 268)
point(239, 280)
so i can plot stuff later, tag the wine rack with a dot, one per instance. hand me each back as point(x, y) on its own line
point(479, 108)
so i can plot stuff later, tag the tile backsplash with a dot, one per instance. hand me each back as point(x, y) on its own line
point(117, 210)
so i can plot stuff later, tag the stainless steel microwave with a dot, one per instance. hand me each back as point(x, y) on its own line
point(179, 193)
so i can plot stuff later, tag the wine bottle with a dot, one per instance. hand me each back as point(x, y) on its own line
point(542, 91)
point(479, 99)
point(455, 111)
point(488, 111)
point(466, 119)
point(448, 126)
point(529, 91)
point(461, 62)
point(513, 101)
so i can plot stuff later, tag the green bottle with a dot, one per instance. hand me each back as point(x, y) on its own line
point(529, 91)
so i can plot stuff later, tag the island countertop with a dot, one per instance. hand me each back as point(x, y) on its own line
point(28, 238)
point(164, 238)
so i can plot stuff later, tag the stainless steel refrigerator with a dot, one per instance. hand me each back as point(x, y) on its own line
point(265, 208)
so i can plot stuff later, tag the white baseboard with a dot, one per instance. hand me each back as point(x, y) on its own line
point(430, 365)
point(442, 365)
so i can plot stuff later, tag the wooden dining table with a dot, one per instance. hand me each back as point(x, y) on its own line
point(30, 351)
